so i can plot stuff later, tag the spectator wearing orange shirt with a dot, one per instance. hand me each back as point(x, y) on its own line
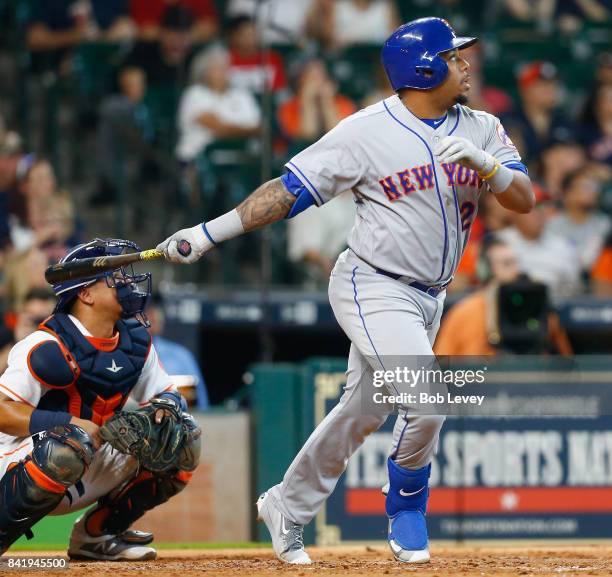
point(601, 273)
point(471, 327)
point(316, 107)
point(149, 15)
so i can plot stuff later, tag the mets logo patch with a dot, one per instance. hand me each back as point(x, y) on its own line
point(503, 136)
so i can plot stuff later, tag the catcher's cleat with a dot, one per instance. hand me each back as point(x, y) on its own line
point(106, 547)
point(287, 536)
point(136, 537)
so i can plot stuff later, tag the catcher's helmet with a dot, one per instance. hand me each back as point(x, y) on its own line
point(411, 55)
point(133, 290)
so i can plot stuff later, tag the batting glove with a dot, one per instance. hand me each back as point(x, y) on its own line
point(186, 246)
point(456, 149)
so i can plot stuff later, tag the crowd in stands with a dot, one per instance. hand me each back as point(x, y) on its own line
point(186, 76)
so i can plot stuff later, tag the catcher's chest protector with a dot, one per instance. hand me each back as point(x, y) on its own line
point(85, 381)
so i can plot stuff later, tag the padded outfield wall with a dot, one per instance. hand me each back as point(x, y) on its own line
point(512, 477)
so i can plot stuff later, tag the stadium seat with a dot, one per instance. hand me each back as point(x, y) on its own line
point(94, 68)
point(354, 68)
point(227, 171)
point(163, 102)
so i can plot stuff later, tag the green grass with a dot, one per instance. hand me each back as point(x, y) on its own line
point(198, 545)
point(202, 545)
point(37, 547)
point(53, 533)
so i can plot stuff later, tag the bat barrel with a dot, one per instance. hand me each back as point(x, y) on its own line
point(55, 274)
point(85, 267)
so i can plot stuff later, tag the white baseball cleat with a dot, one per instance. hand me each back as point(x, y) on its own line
point(404, 534)
point(105, 547)
point(404, 556)
point(287, 536)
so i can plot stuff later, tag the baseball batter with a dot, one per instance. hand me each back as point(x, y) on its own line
point(62, 382)
point(416, 164)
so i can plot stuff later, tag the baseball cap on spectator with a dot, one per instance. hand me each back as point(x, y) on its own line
point(535, 71)
point(178, 18)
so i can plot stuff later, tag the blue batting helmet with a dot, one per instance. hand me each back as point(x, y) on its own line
point(411, 55)
point(131, 293)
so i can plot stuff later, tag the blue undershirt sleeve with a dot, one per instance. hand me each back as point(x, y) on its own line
point(515, 165)
point(303, 198)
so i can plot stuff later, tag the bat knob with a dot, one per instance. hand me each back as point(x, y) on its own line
point(184, 248)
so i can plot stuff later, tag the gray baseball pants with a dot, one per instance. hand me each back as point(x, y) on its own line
point(385, 319)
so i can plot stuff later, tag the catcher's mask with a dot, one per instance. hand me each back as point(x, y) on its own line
point(133, 290)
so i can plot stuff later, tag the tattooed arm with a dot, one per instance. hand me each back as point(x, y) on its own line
point(269, 203)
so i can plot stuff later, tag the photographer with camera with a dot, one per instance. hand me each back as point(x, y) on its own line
point(510, 313)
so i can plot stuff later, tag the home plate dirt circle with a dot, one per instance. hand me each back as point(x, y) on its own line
point(373, 561)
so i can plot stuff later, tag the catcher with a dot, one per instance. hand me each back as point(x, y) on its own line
point(66, 443)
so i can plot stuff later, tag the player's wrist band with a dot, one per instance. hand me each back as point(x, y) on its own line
point(498, 177)
point(491, 173)
point(501, 180)
point(44, 420)
point(224, 227)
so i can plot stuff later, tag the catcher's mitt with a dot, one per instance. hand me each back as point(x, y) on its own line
point(159, 435)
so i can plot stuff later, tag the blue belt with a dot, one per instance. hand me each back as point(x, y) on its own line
point(433, 291)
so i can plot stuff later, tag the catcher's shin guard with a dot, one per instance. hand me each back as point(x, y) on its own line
point(116, 512)
point(32, 488)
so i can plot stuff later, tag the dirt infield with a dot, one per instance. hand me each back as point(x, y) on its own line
point(349, 561)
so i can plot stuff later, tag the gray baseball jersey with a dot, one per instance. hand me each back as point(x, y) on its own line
point(414, 213)
point(413, 219)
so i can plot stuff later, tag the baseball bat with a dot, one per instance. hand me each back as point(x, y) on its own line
point(84, 267)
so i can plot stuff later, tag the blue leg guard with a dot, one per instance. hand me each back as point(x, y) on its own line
point(406, 505)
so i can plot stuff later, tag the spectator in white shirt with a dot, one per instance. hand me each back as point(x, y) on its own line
point(340, 23)
point(211, 109)
point(580, 222)
point(278, 21)
point(543, 255)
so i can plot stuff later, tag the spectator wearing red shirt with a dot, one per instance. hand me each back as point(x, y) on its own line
point(249, 66)
point(149, 15)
